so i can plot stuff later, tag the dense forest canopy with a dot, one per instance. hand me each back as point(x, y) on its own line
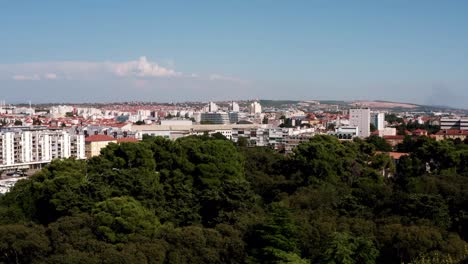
point(206, 200)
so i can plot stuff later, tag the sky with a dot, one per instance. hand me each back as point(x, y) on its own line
point(170, 51)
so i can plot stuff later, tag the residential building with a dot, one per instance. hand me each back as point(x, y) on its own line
point(451, 134)
point(360, 118)
point(234, 107)
point(94, 144)
point(378, 120)
point(24, 148)
point(255, 108)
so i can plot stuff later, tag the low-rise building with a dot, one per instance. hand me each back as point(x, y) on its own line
point(94, 144)
point(451, 134)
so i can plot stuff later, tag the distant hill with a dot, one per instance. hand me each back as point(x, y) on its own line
point(277, 103)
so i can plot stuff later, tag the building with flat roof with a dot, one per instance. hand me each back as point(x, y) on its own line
point(217, 118)
point(34, 147)
point(360, 118)
point(454, 123)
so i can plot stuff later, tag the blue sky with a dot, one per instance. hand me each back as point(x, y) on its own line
point(82, 51)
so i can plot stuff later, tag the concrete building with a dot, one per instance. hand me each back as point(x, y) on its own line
point(211, 107)
point(255, 108)
point(451, 134)
point(360, 118)
point(218, 118)
point(347, 132)
point(458, 123)
point(388, 131)
point(378, 120)
point(24, 148)
point(94, 144)
point(234, 107)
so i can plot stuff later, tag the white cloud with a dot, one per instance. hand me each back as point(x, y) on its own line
point(34, 77)
point(50, 76)
point(142, 68)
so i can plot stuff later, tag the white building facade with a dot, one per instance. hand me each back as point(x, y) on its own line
point(360, 118)
point(21, 148)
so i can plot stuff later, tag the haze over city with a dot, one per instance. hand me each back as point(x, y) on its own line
point(102, 51)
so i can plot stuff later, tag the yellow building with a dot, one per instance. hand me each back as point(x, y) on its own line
point(94, 144)
point(451, 134)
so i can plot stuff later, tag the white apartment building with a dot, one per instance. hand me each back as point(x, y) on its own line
point(360, 118)
point(211, 107)
point(274, 137)
point(378, 120)
point(234, 107)
point(26, 148)
point(255, 108)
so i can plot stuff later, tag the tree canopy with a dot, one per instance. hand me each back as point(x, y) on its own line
point(204, 199)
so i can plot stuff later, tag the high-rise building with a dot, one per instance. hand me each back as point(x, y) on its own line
point(234, 107)
point(255, 108)
point(211, 107)
point(378, 120)
point(360, 118)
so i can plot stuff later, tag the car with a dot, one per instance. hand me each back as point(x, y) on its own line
point(16, 174)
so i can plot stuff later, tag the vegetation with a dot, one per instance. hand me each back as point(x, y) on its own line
point(205, 200)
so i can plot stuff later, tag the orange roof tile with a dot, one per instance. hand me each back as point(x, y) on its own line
point(96, 138)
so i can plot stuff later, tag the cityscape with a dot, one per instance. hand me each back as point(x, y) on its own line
point(234, 132)
point(33, 136)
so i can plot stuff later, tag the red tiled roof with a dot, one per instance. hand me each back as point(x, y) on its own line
point(127, 139)
point(452, 132)
point(96, 138)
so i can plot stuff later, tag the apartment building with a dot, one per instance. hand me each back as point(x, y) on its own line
point(360, 118)
point(33, 147)
point(94, 144)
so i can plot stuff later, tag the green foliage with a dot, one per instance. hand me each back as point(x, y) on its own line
point(120, 217)
point(347, 249)
point(379, 143)
point(203, 199)
point(23, 243)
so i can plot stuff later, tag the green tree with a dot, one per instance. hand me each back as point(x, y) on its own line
point(348, 249)
point(23, 244)
point(119, 218)
point(379, 143)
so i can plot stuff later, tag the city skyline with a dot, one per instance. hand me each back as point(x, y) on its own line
point(170, 52)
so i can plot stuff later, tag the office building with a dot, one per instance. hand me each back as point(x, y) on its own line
point(452, 123)
point(219, 118)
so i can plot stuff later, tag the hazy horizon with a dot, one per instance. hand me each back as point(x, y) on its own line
point(412, 52)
